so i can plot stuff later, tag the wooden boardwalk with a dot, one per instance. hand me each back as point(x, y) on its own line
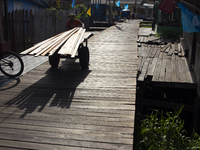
point(164, 63)
point(163, 68)
point(70, 108)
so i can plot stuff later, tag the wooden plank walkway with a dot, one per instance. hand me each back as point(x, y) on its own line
point(70, 108)
point(30, 62)
point(164, 63)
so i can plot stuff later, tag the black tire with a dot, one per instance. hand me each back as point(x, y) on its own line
point(84, 57)
point(54, 60)
point(11, 64)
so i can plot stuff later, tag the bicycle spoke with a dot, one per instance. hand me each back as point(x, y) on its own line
point(11, 64)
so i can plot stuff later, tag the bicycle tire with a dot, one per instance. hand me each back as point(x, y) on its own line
point(11, 64)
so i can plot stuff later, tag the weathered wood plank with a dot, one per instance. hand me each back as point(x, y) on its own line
point(172, 50)
point(78, 42)
point(56, 44)
point(174, 74)
point(152, 67)
point(158, 52)
point(185, 71)
point(74, 129)
point(161, 55)
point(144, 70)
point(27, 35)
point(26, 145)
point(176, 48)
point(31, 49)
point(179, 72)
point(168, 49)
point(16, 31)
point(168, 77)
point(69, 46)
point(62, 142)
point(162, 71)
point(157, 70)
point(153, 53)
point(31, 28)
point(20, 30)
point(165, 47)
point(23, 30)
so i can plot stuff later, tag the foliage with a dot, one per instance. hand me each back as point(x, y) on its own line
point(166, 133)
point(83, 11)
point(54, 11)
point(167, 34)
point(60, 8)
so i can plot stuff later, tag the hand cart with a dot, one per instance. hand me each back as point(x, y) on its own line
point(83, 54)
point(66, 45)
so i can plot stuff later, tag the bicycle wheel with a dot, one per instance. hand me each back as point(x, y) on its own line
point(11, 64)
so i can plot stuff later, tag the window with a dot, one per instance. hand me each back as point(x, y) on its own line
point(18, 6)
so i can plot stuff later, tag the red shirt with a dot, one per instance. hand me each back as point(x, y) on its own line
point(73, 24)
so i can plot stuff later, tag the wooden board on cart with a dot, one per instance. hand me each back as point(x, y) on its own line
point(67, 43)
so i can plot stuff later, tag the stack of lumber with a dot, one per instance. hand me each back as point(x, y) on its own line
point(65, 43)
point(154, 40)
point(169, 46)
point(164, 63)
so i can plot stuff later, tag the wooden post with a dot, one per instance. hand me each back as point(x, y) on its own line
point(35, 26)
point(1, 23)
point(27, 30)
point(31, 28)
point(12, 31)
point(6, 32)
point(109, 13)
point(43, 25)
point(48, 23)
point(16, 31)
point(20, 31)
point(9, 23)
point(23, 30)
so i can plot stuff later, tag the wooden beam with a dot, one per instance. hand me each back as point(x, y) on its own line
point(39, 44)
point(162, 71)
point(185, 48)
point(180, 85)
point(163, 104)
point(165, 47)
point(46, 46)
point(68, 47)
point(61, 43)
point(144, 70)
point(151, 68)
point(78, 42)
point(168, 69)
point(157, 70)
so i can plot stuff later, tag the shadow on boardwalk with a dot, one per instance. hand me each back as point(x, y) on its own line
point(57, 89)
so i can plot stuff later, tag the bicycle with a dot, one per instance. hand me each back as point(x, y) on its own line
point(11, 64)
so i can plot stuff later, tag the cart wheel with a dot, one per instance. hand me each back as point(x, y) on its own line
point(84, 56)
point(54, 60)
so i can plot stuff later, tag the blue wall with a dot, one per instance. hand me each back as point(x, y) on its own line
point(26, 4)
